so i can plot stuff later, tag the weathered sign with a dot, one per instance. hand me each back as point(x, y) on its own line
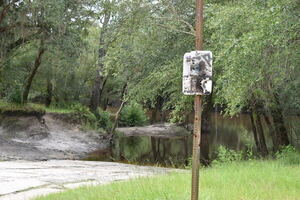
point(197, 73)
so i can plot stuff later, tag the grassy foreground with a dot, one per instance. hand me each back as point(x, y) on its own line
point(250, 180)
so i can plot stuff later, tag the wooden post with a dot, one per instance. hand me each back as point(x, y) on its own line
point(197, 108)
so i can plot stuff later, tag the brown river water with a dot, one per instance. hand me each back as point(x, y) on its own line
point(232, 132)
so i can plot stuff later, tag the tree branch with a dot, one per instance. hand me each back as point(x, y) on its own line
point(21, 41)
point(5, 10)
point(173, 10)
point(7, 28)
point(192, 30)
point(174, 29)
point(124, 91)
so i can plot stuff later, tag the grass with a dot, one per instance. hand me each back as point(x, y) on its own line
point(7, 108)
point(249, 180)
point(59, 110)
point(30, 108)
point(70, 114)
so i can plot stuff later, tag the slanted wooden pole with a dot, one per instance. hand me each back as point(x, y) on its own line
point(197, 108)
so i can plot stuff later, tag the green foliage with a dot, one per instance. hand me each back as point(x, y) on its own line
point(103, 120)
point(15, 96)
point(133, 114)
point(182, 108)
point(189, 163)
point(99, 120)
point(251, 47)
point(84, 115)
point(225, 155)
point(22, 26)
point(288, 155)
point(248, 154)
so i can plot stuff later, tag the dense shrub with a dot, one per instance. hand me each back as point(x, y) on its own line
point(84, 114)
point(98, 120)
point(225, 155)
point(133, 114)
point(15, 96)
point(103, 120)
point(288, 155)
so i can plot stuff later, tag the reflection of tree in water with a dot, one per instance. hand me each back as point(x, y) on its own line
point(131, 148)
point(153, 150)
point(234, 133)
point(160, 148)
point(233, 136)
point(133, 141)
point(169, 151)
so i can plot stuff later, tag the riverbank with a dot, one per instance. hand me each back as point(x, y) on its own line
point(34, 132)
point(51, 136)
point(246, 180)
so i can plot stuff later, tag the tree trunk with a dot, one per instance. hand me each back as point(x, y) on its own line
point(255, 133)
point(100, 78)
point(96, 92)
point(120, 109)
point(272, 132)
point(106, 103)
point(37, 64)
point(278, 121)
point(49, 92)
point(153, 116)
point(261, 136)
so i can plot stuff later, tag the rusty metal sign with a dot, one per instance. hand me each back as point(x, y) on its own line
point(197, 73)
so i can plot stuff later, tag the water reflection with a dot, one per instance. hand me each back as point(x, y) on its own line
point(152, 150)
point(234, 133)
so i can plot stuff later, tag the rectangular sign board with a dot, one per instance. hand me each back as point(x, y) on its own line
point(197, 73)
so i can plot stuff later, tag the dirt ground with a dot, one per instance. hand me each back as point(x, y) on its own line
point(30, 138)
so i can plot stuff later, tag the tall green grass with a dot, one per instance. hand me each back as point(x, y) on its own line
point(30, 108)
point(7, 108)
point(53, 109)
point(244, 180)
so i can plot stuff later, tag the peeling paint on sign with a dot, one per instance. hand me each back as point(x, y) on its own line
point(197, 73)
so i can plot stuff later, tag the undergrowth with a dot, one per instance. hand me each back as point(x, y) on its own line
point(7, 108)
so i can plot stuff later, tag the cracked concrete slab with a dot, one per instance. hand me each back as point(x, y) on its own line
point(23, 180)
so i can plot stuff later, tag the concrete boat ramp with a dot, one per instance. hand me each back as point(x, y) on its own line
point(24, 180)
